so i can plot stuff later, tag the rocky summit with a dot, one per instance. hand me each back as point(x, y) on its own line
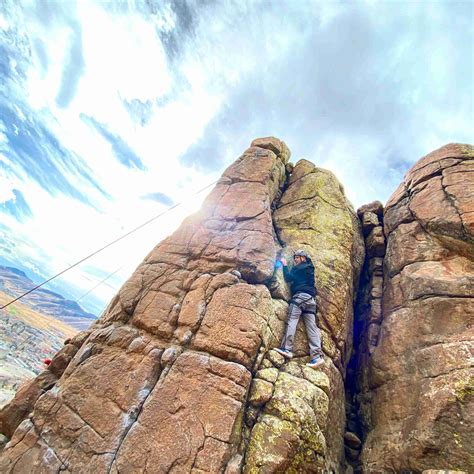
point(179, 373)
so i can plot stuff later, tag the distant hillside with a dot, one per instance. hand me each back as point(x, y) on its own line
point(26, 339)
point(15, 282)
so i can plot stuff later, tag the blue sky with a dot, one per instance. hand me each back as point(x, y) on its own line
point(112, 111)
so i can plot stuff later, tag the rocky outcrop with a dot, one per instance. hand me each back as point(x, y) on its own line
point(178, 375)
point(420, 373)
point(369, 314)
point(297, 415)
point(21, 406)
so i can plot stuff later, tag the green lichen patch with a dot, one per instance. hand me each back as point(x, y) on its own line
point(260, 392)
point(270, 375)
point(464, 386)
point(467, 150)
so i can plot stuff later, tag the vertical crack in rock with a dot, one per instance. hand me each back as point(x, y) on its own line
point(367, 320)
point(452, 199)
point(295, 415)
point(133, 417)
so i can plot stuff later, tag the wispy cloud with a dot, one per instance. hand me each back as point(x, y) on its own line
point(74, 68)
point(33, 151)
point(159, 197)
point(122, 150)
point(17, 207)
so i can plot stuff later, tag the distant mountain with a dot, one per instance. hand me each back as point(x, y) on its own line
point(15, 282)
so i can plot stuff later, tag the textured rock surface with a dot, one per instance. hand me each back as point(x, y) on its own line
point(22, 404)
point(301, 427)
point(178, 375)
point(420, 373)
point(135, 379)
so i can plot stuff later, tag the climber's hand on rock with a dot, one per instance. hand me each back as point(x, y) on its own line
point(283, 261)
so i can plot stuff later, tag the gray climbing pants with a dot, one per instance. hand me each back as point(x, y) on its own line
point(303, 304)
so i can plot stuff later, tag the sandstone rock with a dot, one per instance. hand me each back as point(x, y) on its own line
point(179, 295)
point(270, 375)
point(375, 207)
point(163, 381)
point(436, 471)
point(169, 356)
point(317, 378)
point(234, 322)
point(277, 146)
point(273, 445)
point(251, 415)
point(61, 359)
point(352, 440)
point(352, 454)
point(14, 413)
point(20, 407)
point(376, 242)
point(260, 392)
point(235, 465)
point(313, 213)
point(295, 416)
point(369, 221)
point(421, 368)
point(200, 400)
point(276, 359)
point(375, 265)
point(398, 213)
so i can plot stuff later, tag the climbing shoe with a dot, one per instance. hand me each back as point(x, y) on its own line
point(284, 352)
point(315, 362)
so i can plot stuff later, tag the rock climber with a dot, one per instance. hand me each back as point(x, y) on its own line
point(302, 303)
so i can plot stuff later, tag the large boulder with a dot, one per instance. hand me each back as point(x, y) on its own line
point(191, 319)
point(420, 373)
point(178, 375)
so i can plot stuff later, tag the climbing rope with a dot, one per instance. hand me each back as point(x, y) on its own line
point(154, 218)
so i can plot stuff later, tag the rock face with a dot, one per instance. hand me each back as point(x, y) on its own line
point(301, 426)
point(420, 373)
point(178, 375)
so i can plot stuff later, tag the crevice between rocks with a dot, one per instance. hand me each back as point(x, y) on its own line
point(366, 330)
point(452, 200)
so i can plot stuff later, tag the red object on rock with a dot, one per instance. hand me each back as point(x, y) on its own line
point(47, 361)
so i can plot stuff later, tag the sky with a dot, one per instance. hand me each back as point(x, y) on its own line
point(112, 112)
